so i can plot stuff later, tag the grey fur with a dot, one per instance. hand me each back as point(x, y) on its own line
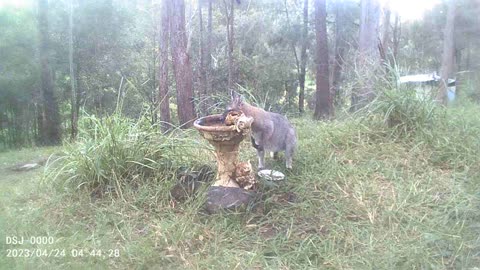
point(270, 131)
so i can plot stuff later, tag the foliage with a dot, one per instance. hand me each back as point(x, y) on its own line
point(19, 76)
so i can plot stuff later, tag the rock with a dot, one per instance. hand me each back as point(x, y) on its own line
point(31, 165)
point(25, 167)
point(227, 198)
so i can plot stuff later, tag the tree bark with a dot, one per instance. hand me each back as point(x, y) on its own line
point(182, 67)
point(323, 103)
point(163, 95)
point(448, 53)
point(340, 45)
point(303, 59)
point(51, 131)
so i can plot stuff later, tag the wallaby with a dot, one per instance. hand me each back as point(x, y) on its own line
point(270, 131)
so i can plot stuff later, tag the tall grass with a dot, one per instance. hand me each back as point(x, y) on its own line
point(405, 113)
point(114, 152)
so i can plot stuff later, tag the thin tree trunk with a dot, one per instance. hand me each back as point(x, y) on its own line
point(384, 46)
point(153, 96)
point(74, 111)
point(340, 44)
point(297, 61)
point(396, 36)
point(208, 52)
point(368, 53)
point(203, 72)
point(229, 11)
point(182, 67)
point(323, 103)
point(368, 40)
point(448, 53)
point(78, 87)
point(163, 95)
point(303, 59)
point(51, 133)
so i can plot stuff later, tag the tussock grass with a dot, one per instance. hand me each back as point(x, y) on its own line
point(362, 195)
point(114, 154)
point(405, 113)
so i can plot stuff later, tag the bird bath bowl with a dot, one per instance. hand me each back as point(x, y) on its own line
point(225, 192)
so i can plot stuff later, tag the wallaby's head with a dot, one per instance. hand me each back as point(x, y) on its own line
point(236, 104)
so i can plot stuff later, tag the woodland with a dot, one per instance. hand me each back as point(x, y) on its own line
point(172, 62)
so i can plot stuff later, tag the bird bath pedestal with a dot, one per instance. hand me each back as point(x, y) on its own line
point(225, 192)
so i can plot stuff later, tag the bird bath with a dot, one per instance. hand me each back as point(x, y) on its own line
point(226, 140)
point(225, 192)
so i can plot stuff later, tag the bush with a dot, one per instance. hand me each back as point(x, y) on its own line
point(114, 152)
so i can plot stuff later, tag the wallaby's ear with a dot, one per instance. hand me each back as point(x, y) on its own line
point(236, 98)
point(233, 95)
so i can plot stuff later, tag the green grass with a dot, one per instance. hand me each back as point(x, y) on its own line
point(364, 197)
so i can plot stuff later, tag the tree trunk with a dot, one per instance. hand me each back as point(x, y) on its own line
point(182, 67)
point(229, 11)
point(368, 53)
point(152, 92)
point(163, 95)
point(448, 53)
point(203, 72)
point(384, 46)
point(74, 109)
point(396, 36)
point(303, 59)
point(323, 103)
point(340, 45)
point(208, 52)
point(368, 40)
point(51, 131)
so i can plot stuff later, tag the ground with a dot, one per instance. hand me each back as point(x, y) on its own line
point(355, 199)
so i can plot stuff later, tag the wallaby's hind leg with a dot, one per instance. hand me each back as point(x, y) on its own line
point(261, 158)
point(289, 156)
